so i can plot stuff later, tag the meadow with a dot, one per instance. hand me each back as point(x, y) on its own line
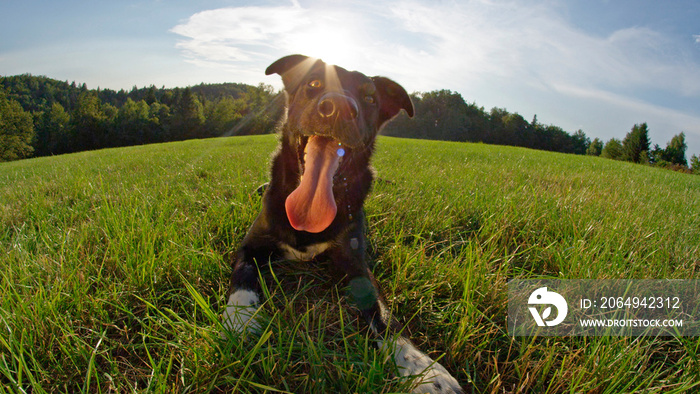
point(114, 265)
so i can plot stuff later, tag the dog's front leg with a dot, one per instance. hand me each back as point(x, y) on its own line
point(243, 296)
point(245, 291)
point(367, 297)
point(434, 378)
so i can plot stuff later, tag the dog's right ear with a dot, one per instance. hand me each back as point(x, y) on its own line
point(392, 99)
point(292, 68)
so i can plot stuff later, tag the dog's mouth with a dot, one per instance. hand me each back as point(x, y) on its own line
point(311, 206)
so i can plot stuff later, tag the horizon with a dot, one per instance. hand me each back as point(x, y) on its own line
point(597, 66)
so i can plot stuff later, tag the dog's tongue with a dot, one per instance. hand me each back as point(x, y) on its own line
point(311, 207)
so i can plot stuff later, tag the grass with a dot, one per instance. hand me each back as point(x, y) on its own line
point(114, 267)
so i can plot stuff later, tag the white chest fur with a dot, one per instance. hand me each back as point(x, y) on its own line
point(311, 251)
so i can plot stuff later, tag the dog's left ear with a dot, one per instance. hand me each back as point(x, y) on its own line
point(284, 64)
point(392, 98)
point(292, 68)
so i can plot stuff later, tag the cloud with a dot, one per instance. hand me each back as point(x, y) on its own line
point(697, 38)
point(438, 43)
point(505, 53)
point(240, 38)
point(235, 35)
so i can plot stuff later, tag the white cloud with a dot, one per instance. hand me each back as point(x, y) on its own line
point(697, 38)
point(234, 34)
point(242, 37)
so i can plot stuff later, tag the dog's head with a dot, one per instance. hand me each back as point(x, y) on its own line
point(330, 101)
point(333, 117)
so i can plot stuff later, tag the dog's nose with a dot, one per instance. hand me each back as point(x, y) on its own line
point(326, 108)
point(336, 104)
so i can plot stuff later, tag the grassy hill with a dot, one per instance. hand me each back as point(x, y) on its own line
point(114, 267)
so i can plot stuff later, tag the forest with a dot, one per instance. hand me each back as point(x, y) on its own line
point(40, 116)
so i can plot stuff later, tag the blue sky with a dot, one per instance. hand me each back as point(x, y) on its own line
point(596, 65)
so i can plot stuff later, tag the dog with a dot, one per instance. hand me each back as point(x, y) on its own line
point(312, 208)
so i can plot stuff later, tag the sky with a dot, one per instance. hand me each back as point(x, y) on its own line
point(600, 66)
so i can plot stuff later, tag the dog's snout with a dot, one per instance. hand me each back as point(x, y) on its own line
point(335, 104)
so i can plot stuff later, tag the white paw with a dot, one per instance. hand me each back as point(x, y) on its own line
point(433, 378)
point(240, 312)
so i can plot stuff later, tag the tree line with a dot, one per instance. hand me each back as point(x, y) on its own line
point(40, 116)
point(636, 148)
point(444, 115)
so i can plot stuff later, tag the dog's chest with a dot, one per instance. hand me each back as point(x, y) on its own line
point(308, 254)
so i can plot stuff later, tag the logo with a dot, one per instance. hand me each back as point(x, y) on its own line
point(543, 297)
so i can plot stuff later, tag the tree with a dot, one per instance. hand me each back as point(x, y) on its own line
point(518, 129)
point(131, 124)
point(612, 149)
point(16, 130)
point(261, 109)
point(636, 142)
point(675, 150)
point(498, 132)
point(88, 123)
point(580, 142)
point(695, 164)
point(150, 95)
point(656, 156)
point(159, 122)
point(553, 138)
point(188, 116)
point(51, 130)
point(595, 148)
point(223, 115)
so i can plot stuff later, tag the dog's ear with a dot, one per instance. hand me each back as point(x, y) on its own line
point(282, 65)
point(292, 68)
point(392, 98)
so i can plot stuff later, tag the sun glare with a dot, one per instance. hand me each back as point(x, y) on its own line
point(332, 44)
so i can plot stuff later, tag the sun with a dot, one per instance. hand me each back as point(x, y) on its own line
point(332, 44)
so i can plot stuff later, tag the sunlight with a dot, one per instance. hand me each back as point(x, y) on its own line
point(332, 44)
point(332, 81)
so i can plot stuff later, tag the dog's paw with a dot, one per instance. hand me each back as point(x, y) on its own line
point(239, 315)
point(432, 377)
point(436, 379)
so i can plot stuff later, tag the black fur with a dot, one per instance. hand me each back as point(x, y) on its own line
point(352, 181)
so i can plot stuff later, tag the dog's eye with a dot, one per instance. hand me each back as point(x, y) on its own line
point(316, 83)
point(370, 99)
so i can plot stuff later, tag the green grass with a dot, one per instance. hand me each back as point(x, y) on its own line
point(114, 268)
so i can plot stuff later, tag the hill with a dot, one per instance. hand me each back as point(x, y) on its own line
point(115, 266)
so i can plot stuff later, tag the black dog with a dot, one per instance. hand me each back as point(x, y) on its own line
point(312, 208)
